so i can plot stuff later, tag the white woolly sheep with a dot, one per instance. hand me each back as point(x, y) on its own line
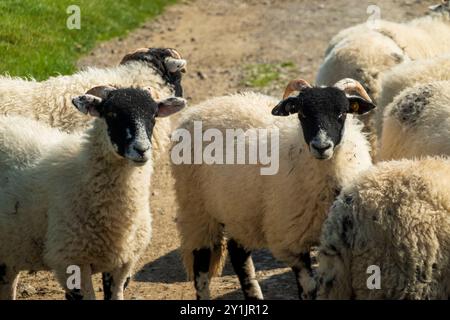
point(364, 51)
point(394, 220)
point(407, 75)
point(417, 123)
point(283, 212)
point(79, 199)
point(50, 101)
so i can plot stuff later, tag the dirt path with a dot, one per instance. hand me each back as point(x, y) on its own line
point(225, 41)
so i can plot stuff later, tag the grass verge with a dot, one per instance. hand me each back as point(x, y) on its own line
point(264, 74)
point(35, 40)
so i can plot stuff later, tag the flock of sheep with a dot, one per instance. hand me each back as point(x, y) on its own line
point(364, 173)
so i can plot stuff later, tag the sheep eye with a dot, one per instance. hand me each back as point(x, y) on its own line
point(340, 115)
point(111, 114)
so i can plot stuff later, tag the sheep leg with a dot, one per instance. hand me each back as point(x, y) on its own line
point(86, 289)
point(202, 259)
point(116, 282)
point(107, 280)
point(8, 282)
point(304, 277)
point(242, 262)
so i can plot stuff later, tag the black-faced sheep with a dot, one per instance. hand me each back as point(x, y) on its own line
point(387, 236)
point(283, 212)
point(50, 101)
point(79, 199)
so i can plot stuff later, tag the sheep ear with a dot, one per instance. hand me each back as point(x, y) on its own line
point(286, 107)
point(170, 106)
point(87, 104)
point(174, 65)
point(359, 105)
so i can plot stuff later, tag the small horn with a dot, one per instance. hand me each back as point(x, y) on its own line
point(350, 85)
point(295, 85)
point(132, 55)
point(175, 53)
point(101, 91)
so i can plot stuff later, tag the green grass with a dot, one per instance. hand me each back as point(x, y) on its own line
point(261, 75)
point(35, 40)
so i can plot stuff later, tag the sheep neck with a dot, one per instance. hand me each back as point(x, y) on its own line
point(112, 174)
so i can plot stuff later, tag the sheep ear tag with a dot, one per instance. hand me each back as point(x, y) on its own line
point(354, 107)
point(359, 105)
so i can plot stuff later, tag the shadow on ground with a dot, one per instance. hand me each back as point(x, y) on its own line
point(155, 271)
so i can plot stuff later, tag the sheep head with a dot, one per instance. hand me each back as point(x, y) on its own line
point(166, 61)
point(322, 111)
point(128, 116)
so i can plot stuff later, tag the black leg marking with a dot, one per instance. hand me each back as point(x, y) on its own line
point(127, 282)
point(74, 294)
point(108, 283)
point(303, 273)
point(242, 262)
point(3, 274)
point(297, 280)
point(202, 259)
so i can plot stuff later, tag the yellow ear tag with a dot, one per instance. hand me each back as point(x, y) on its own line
point(355, 106)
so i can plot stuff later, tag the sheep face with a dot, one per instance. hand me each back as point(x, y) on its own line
point(167, 62)
point(129, 115)
point(322, 113)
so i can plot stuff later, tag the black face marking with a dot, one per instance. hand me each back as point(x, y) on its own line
point(323, 109)
point(410, 107)
point(3, 274)
point(202, 258)
point(322, 112)
point(108, 283)
point(156, 58)
point(128, 113)
point(241, 260)
point(74, 294)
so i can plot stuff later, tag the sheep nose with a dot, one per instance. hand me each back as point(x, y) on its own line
point(321, 147)
point(141, 149)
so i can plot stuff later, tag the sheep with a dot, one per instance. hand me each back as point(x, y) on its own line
point(259, 211)
point(364, 52)
point(417, 123)
point(50, 101)
point(395, 218)
point(407, 75)
point(79, 199)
